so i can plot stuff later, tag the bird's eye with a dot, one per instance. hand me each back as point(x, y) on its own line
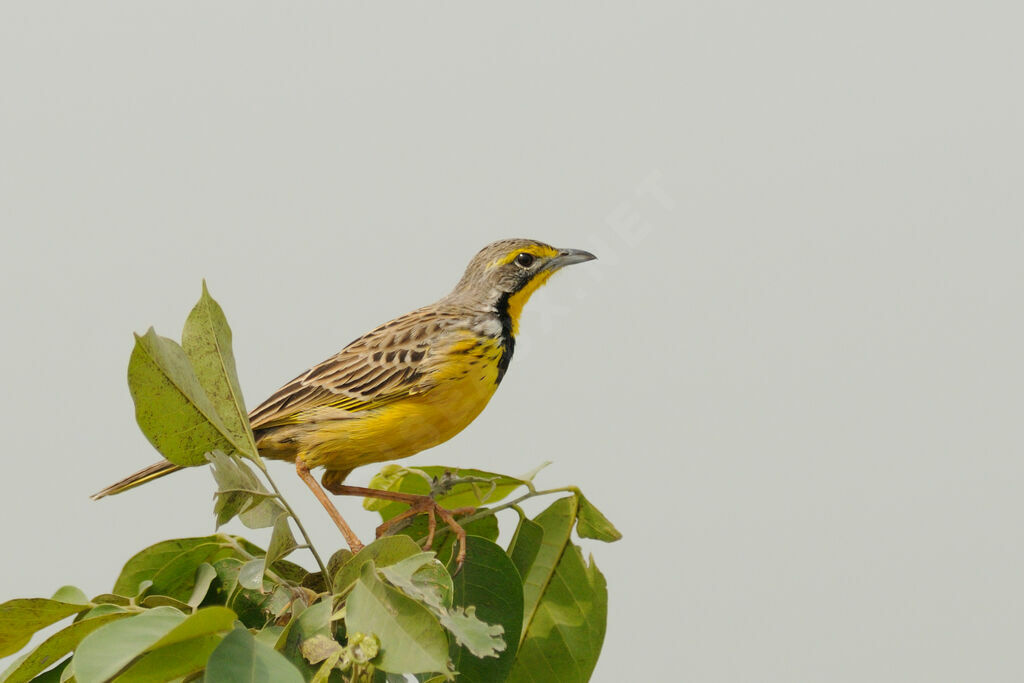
point(524, 260)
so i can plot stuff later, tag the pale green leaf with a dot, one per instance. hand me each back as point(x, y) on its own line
point(240, 658)
point(184, 649)
point(108, 650)
point(70, 594)
point(422, 578)
point(238, 487)
point(251, 574)
point(383, 552)
point(205, 576)
point(411, 639)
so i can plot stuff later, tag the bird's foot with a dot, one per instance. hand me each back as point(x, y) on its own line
point(430, 507)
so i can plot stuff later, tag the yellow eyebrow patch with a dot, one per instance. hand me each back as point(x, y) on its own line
point(538, 250)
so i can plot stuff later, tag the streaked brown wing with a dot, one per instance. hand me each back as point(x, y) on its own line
point(382, 366)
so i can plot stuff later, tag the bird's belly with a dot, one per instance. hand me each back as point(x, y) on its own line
point(412, 424)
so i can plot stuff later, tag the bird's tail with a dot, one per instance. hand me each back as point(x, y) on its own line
point(154, 471)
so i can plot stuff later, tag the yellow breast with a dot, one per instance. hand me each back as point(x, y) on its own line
point(463, 381)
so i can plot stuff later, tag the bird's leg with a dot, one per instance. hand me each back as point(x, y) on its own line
point(417, 504)
point(346, 531)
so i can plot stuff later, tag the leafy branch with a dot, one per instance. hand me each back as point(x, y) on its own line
point(219, 607)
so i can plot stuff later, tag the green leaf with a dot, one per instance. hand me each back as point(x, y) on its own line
point(426, 580)
point(54, 675)
point(227, 580)
point(525, 544)
point(184, 649)
point(257, 609)
point(53, 648)
point(411, 639)
point(173, 662)
point(564, 638)
point(239, 491)
point(171, 566)
point(478, 637)
point(423, 579)
point(556, 522)
point(262, 514)
point(282, 542)
point(240, 658)
point(383, 552)
point(593, 524)
point(314, 622)
point(205, 576)
point(469, 487)
point(19, 619)
point(70, 594)
point(251, 574)
point(172, 409)
point(108, 650)
point(163, 601)
point(489, 582)
point(444, 539)
point(206, 340)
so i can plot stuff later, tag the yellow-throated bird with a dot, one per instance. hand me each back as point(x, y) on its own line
point(408, 385)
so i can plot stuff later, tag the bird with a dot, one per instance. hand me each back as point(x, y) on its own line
point(406, 386)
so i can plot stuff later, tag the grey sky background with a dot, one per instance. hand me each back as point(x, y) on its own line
point(793, 379)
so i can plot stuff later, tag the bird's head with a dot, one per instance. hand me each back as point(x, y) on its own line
point(505, 273)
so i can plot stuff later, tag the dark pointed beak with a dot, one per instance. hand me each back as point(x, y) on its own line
point(567, 257)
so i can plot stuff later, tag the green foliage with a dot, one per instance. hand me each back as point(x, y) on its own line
point(220, 608)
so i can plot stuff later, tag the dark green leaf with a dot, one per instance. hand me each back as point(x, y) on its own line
point(564, 638)
point(227, 579)
point(240, 658)
point(593, 524)
point(172, 409)
point(56, 646)
point(19, 619)
point(411, 639)
point(54, 675)
point(489, 581)
point(109, 649)
point(206, 340)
